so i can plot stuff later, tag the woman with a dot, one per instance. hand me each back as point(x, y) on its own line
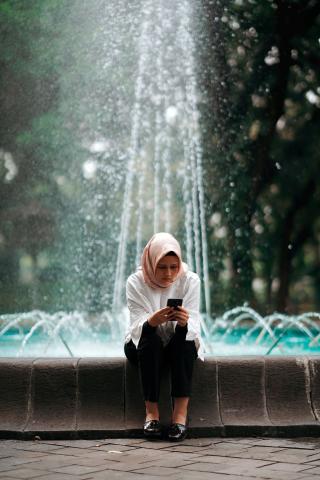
point(159, 333)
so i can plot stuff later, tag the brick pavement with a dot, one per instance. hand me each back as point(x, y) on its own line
point(130, 459)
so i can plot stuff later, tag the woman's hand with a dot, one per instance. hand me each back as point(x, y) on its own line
point(161, 316)
point(181, 316)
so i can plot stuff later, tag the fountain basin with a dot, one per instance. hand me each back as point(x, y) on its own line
point(86, 344)
point(101, 397)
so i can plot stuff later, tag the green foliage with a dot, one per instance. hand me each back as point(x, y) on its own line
point(263, 107)
point(258, 71)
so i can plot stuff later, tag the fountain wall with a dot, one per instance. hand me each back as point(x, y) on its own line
point(92, 398)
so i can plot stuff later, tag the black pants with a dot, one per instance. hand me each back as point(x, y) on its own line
point(151, 355)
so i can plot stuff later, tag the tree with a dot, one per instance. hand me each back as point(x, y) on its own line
point(260, 68)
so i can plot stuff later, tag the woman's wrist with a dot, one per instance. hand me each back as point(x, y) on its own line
point(150, 323)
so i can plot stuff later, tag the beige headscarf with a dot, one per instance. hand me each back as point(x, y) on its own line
point(157, 247)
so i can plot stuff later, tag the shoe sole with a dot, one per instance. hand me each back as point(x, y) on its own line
point(150, 435)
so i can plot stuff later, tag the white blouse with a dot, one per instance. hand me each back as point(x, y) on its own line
point(143, 301)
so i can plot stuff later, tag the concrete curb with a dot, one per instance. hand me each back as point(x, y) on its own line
point(101, 397)
point(242, 391)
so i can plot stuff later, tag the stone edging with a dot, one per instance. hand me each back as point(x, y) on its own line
point(96, 397)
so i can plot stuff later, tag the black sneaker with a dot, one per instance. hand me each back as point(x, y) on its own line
point(177, 432)
point(152, 429)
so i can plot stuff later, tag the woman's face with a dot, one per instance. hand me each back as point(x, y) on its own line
point(167, 270)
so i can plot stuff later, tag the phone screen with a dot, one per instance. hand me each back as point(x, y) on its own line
point(174, 302)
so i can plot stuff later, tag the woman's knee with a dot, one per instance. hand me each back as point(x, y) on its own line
point(131, 352)
point(150, 342)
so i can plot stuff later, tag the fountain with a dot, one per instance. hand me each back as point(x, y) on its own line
point(240, 331)
point(161, 177)
point(133, 164)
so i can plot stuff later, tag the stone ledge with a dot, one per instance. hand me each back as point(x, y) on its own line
point(101, 397)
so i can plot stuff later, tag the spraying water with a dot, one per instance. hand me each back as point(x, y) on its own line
point(165, 147)
point(162, 176)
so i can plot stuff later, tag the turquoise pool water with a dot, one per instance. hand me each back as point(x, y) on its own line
point(293, 342)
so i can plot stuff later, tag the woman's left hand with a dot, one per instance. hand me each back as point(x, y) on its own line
point(181, 316)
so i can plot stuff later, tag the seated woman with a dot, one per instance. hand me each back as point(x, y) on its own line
point(159, 333)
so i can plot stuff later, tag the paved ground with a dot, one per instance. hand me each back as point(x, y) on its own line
point(137, 459)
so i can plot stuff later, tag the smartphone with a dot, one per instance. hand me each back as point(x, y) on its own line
point(174, 302)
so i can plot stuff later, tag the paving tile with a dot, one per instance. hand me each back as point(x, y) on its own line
point(36, 447)
point(116, 446)
point(9, 454)
point(78, 469)
point(286, 443)
point(26, 473)
point(71, 443)
point(96, 461)
point(59, 476)
point(27, 453)
point(122, 441)
point(285, 467)
point(272, 475)
point(248, 441)
point(10, 478)
point(53, 462)
point(310, 477)
point(167, 462)
point(297, 451)
point(69, 451)
point(199, 442)
point(7, 478)
point(260, 453)
point(144, 457)
point(184, 448)
point(102, 453)
point(315, 463)
point(313, 456)
point(121, 467)
point(245, 473)
point(224, 463)
point(157, 471)
point(163, 455)
point(113, 475)
point(285, 457)
point(5, 469)
point(225, 451)
point(136, 459)
point(156, 444)
point(207, 476)
point(307, 470)
point(289, 467)
point(218, 459)
point(266, 475)
point(13, 461)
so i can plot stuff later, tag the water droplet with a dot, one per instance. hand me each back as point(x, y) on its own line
point(171, 115)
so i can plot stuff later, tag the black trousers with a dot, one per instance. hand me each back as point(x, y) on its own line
point(151, 355)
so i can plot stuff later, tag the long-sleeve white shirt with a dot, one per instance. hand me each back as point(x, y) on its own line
point(143, 301)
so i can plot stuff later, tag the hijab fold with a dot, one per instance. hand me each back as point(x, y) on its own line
point(157, 248)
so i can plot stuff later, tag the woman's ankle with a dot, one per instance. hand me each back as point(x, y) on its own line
point(152, 410)
point(180, 410)
point(179, 418)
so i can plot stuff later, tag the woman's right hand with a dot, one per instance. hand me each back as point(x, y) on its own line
point(161, 316)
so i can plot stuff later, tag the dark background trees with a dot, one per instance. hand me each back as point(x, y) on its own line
point(260, 104)
point(260, 72)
